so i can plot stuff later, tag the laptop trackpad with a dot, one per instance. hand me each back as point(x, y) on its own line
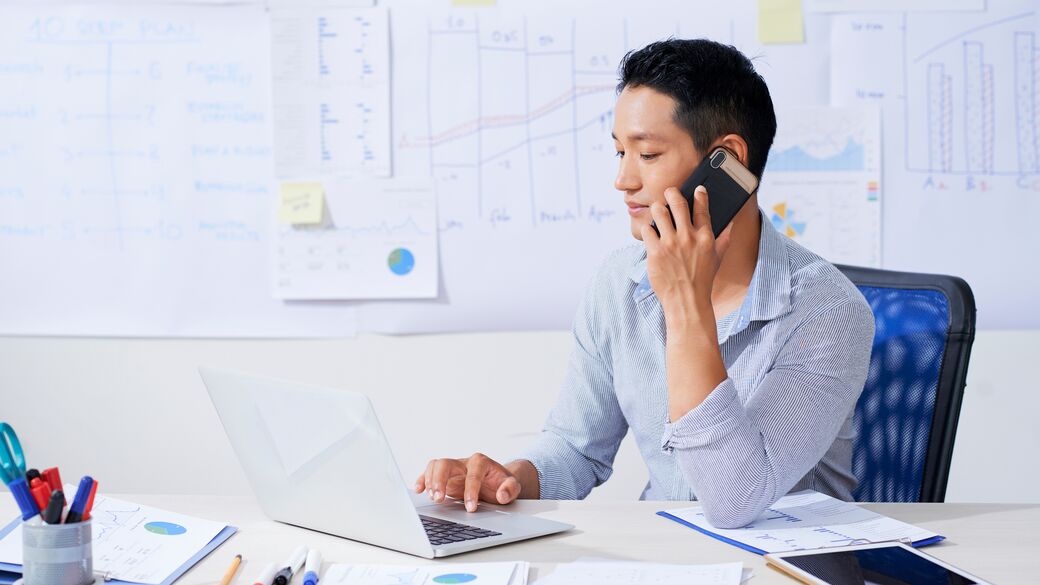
point(456, 512)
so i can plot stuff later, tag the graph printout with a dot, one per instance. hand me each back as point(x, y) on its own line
point(822, 184)
point(509, 573)
point(378, 240)
point(808, 520)
point(331, 84)
point(133, 542)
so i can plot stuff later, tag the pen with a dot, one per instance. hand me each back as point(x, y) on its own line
point(267, 575)
point(294, 564)
point(230, 573)
point(52, 513)
point(79, 503)
point(310, 577)
point(20, 490)
point(31, 475)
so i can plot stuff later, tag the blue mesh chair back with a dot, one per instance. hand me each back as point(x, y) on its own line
point(906, 418)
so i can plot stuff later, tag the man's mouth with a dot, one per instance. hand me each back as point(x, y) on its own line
point(635, 209)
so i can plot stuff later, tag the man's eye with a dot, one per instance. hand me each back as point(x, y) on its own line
point(646, 156)
point(620, 154)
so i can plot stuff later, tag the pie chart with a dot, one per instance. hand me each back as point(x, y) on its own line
point(455, 578)
point(401, 262)
point(165, 528)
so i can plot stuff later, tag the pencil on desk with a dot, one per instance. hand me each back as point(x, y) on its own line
point(230, 573)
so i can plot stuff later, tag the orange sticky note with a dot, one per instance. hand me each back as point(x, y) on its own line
point(780, 21)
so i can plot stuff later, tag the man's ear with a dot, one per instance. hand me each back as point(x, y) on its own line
point(735, 144)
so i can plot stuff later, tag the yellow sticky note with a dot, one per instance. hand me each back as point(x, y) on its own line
point(780, 21)
point(472, 2)
point(301, 203)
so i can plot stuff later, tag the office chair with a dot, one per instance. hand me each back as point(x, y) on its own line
point(906, 418)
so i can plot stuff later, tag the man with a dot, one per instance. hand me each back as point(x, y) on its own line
point(736, 362)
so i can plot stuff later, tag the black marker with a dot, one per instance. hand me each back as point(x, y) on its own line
point(294, 564)
point(52, 513)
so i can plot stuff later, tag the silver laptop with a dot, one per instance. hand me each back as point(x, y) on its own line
point(317, 458)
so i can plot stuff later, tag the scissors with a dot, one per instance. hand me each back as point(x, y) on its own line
point(12, 458)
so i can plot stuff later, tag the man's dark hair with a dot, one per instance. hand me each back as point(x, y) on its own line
point(716, 91)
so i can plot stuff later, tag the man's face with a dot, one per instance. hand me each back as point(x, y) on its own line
point(655, 153)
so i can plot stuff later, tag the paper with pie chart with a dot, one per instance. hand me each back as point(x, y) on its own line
point(509, 573)
point(377, 240)
point(133, 542)
point(821, 186)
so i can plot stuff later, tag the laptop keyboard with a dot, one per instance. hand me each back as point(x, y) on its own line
point(447, 532)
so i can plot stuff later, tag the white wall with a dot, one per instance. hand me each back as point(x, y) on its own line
point(134, 413)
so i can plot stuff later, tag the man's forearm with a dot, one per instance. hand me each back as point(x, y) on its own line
point(527, 475)
point(693, 358)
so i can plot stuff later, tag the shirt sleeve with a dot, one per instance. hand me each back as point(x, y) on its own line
point(740, 458)
point(575, 450)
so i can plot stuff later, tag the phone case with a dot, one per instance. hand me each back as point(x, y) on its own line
point(729, 186)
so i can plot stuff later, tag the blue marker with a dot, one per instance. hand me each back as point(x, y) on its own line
point(313, 567)
point(20, 490)
point(79, 504)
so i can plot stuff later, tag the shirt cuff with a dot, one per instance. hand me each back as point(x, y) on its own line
point(719, 414)
point(551, 480)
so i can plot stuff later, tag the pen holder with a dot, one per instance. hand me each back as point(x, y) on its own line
point(57, 554)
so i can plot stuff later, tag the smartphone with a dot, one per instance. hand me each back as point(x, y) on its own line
point(729, 186)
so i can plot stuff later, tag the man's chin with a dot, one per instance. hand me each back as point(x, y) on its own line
point(637, 230)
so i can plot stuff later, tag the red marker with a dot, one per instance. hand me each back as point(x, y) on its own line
point(90, 502)
point(53, 478)
point(41, 493)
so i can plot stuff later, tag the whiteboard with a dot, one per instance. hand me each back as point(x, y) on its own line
point(137, 158)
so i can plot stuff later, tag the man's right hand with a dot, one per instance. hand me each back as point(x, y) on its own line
point(477, 477)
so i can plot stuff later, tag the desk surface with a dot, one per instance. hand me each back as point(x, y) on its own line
point(997, 542)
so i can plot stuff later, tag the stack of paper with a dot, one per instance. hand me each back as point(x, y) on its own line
point(807, 520)
point(588, 572)
point(475, 573)
point(134, 543)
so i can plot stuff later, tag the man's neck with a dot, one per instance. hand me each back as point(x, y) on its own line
point(738, 265)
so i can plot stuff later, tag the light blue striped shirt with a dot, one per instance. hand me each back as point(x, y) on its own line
point(796, 351)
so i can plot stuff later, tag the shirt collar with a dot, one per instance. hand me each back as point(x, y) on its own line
point(769, 294)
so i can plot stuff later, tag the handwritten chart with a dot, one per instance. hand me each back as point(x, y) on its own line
point(135, 174)
point(959, 99)
point(513, 123)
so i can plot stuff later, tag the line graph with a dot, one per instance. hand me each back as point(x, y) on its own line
point(488, 122)
point(505, 147)
point(107, 520)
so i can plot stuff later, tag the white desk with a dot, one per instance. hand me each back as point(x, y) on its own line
point(998, 542)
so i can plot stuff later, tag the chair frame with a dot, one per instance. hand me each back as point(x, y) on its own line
point(960, 335)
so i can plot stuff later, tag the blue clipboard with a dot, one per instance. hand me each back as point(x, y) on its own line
point(759, 551)
point(7, 569)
